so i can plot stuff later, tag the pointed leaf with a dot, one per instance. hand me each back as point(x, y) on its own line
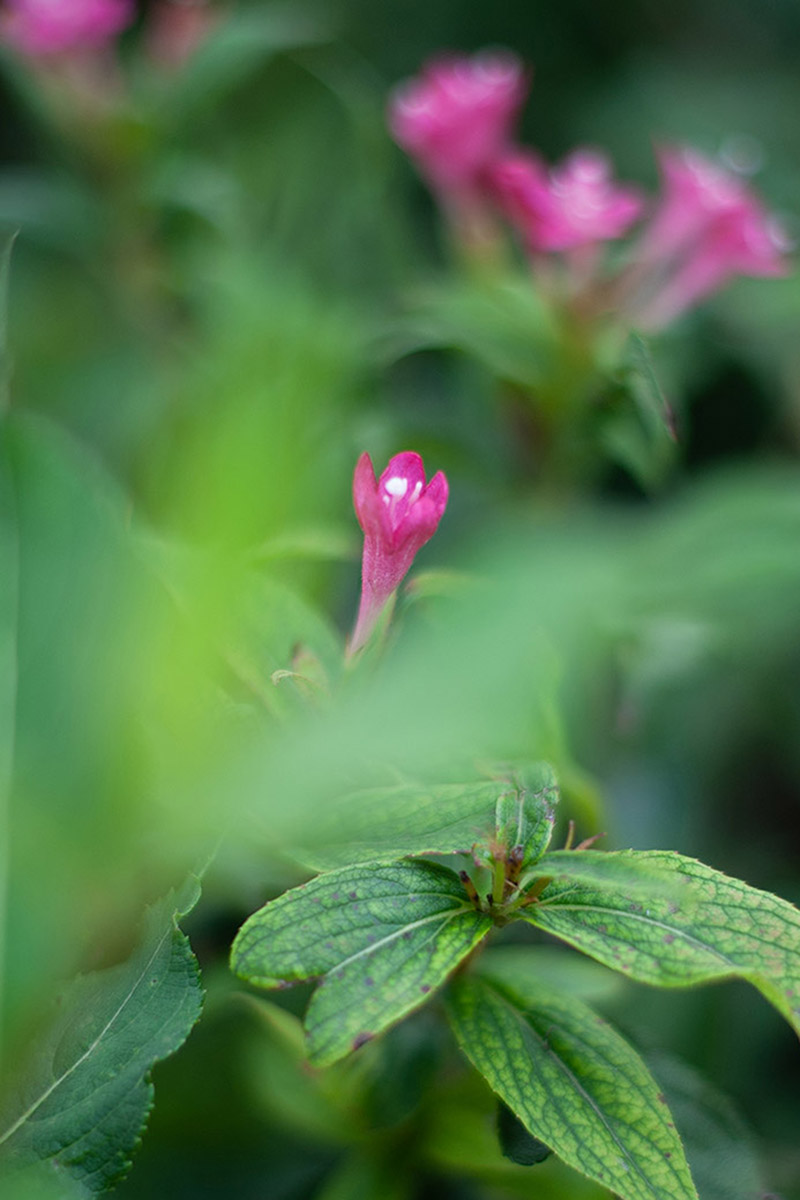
point(525, 816)
point(720, 929)
point(516, 1143)
point(84, 1102)
point(575, 1084)
point(721, 1150)
point(627, 871)
point(414, 819)
point(382, 936)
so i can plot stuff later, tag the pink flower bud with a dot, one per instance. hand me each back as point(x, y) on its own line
point(40, 28)
point(455, 118)
point(398, 513)
point(708, 228)
point(574, 204)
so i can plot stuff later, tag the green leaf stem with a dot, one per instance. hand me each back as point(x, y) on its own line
point(381, 936)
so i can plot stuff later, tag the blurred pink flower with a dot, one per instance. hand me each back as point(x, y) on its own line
point(398, 513)
point(455, 118)
point(708, 228)
point(574, 204)
point(40, 28)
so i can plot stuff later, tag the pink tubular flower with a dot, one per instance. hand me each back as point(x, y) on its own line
point(574, 204)
point(455, 118)
point(40, 28)
point(398, 513)
point(708, 228)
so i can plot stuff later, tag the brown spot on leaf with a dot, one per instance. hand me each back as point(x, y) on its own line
point(669, 938)
point(361, 1040)
point(426, 987)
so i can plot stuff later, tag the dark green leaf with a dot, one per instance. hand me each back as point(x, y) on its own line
point(720, 1148)
point(440, 819)
point(719, 929)
point(382, 937)
point(574, 1083)
point(84, 1101)
point(515, 1141)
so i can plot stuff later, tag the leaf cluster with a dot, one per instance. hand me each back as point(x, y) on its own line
point(382, 937)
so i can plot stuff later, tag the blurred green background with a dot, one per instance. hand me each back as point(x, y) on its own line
point(227, 284)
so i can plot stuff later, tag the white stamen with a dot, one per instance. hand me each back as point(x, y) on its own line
point(416, 491)
point(396, 486)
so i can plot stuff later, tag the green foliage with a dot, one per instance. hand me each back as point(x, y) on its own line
point(84, 1100)
point(644, 440)
point(500, 320)
point(524, 818)
point(515, 1141)
point(6, 246)
point(381, 936)
point(450, 818)
point(245, 42)
point(573, 1082)
point(629, 871)
point(721, 1150)
point(723, 929)
point(228, 285)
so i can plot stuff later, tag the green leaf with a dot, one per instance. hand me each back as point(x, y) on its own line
point(624, 870)
point(381, 936)
point(720, 929)
point(516, 1143)
point(84, 1101)
point(414, 819)
point(556, 967)
point(720, 1148)
point(317, 1105)
point(524, 819)
point(642, 436)
point(501, 322)
point(574, 1083)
